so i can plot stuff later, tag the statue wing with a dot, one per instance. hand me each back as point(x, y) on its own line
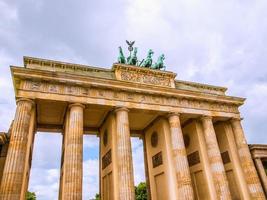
point(132, 43)
point(128, 42)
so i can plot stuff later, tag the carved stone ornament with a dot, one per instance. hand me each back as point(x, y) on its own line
point(193, 158)
point(154, 139)
point(157, 160)
point(106, 159)
point(144, 75)
point(225, 157)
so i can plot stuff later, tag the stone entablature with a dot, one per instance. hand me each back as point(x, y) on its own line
point(127, 96)
point(191, 86)
point(113, 92)
point(57, 66)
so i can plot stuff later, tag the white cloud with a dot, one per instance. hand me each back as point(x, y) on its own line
point(138, 160)
point(91, 142)
point(45, 183)
point(45, 171)
point(7, 96)
point(90, 178)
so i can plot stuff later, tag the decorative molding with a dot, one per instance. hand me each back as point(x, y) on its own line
point(200, 87)
point(52, 65)
point(157, 160)
point(225, 157)
point(106, 159)
point(193, 158)
point(128, 96)
point(144, 75)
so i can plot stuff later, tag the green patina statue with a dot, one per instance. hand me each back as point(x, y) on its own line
point(159, 64)
point(121, 58)
point(148, 61)
point(132, 59)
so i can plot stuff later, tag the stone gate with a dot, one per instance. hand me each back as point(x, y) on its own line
point(194, 144)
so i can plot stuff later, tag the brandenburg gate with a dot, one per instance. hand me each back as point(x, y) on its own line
point(194, 144)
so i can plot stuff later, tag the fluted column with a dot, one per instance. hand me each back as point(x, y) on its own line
point(214, 155)
point(73, 162)
point(124, 156)
point(185, 188)
point(248, 167)
point(237, 164)
point(14, 170)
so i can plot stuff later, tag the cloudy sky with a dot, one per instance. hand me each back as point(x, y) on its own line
point(216, 42)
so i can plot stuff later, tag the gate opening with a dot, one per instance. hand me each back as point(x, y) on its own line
point(45, 167)
point(90, 166)
point(138, 160)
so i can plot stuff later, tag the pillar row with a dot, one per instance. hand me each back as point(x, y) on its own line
point(17, 157)
point(248, 167)
point(215, 160)
point(185, 188)
point(124, 156)
point(73, 158)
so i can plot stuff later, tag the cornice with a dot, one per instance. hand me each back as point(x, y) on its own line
point(143, 69)
point(30, 61)
point(258, 147)
point(201, 86)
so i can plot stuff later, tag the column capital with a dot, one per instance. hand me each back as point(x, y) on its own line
point(170, 114)
point(25, 100)
point(205, 117)
point(117, 109)
point(77, 104)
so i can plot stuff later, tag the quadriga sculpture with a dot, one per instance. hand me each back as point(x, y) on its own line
point(148, 61)
point(159, 64)
point(132, 59)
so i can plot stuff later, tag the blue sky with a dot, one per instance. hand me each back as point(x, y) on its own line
point(215, 42)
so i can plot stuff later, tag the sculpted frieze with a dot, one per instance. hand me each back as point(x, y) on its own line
point(145, 78)
point(127, 96)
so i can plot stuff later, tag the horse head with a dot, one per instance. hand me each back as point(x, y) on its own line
point(162, 57)
point(150, 53)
